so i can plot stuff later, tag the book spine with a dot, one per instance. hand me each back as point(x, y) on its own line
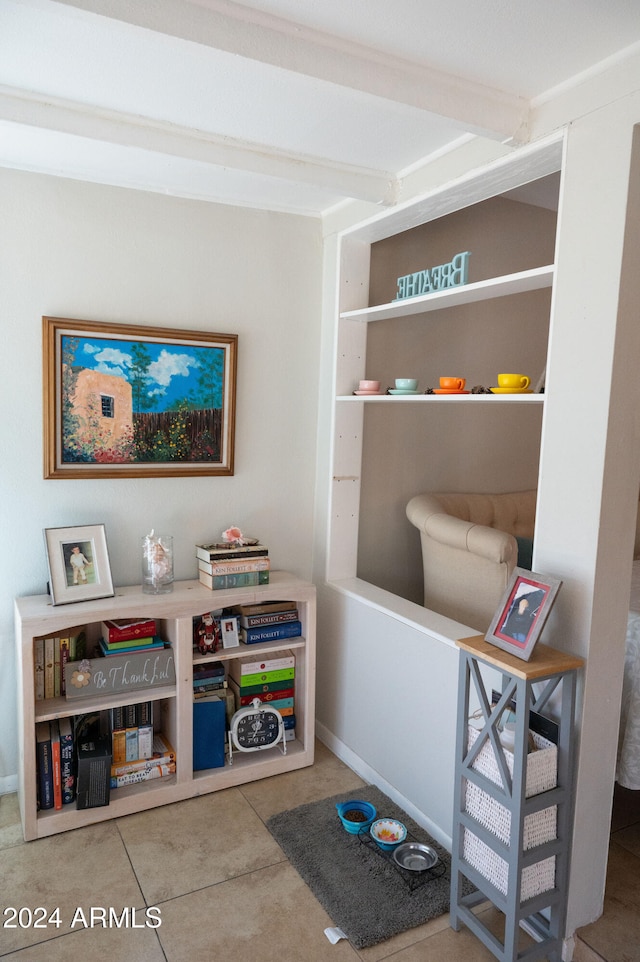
point(277, 699)
point(45, 771)
point(263, 689)
point(250, 579)
point(144, 714)
point(64, 658)
point(145, 741)
point(264, 677)
point(125, 646)
point(144, 775)
point(251, 636)
point(246, 666)
point(56, 667)
point(265, 608)
point(131, 744)
point(210, 553)
point(142, 764)
point(277, 618)
point(119, 746)
point(237, 566)
point(67, 767)
point(49, 659)
point(111, 632)
point(56, 763)
point(38, 668)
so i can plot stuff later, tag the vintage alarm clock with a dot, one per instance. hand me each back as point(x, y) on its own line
point(255, 727)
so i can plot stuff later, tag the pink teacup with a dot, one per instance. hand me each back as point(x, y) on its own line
point(369, 386)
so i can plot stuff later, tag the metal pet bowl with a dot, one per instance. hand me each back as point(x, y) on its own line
point(356, 815)
point(415, 857)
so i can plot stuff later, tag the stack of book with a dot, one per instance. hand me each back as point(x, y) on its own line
point(209, 679)
point(270, 679)
point(232, 566)
point(269, 621)
point(122, 637)
point(161, 762)
point(50, 655)
point(55, 763)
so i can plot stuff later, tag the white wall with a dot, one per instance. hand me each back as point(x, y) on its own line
point(69, 249)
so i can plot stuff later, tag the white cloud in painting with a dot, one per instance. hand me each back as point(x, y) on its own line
point(170, 365)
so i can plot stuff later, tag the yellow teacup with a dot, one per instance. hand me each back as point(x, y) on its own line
point(517, 382)
point(452, 383)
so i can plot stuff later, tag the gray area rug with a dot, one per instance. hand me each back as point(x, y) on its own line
point(363, 892)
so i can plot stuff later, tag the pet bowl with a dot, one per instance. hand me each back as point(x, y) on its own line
point(356, 815)
point(415, 857)
point(388, 833)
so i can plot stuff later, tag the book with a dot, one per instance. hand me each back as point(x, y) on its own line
point(125, 646)
point(143, 775)
point(249, 665)
point(131, 744)
point(272, 697)
point(265, 607)
point(65, 642)
point(209, 724)
point(49, 659)
point(144, 713)
point(145, 741)
point(199, 684)
point(38, 668)
point(163, 753)
point(261, 678)
point(210, 669)
point(251, 636)
point(217, 550)
point(275, 618)
point(78, 644)
point(123, 629)
point(56, 667)
point(249, 579)
point(107, 651)
point(56, 766)
point(118, 746)
point(67, 763)
point(266, 687)
point(234, 566)
point(44, 767)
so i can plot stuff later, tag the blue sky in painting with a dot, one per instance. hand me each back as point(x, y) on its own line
point(172, 373)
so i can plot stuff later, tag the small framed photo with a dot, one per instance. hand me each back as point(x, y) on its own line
point(78, 563)
point(523, 610)
point(229, 631)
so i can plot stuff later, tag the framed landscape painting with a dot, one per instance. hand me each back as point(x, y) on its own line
point(129, 401)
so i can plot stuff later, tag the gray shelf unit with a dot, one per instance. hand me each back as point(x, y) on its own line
point(543, 915)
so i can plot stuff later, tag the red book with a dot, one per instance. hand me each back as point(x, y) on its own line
point(267, 696)
point(123, 630)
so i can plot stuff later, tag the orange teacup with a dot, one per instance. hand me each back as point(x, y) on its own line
point(452, 383)
point(516, 382)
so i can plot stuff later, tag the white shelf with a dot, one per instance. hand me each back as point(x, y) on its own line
point(531, 280)
point(37, 617)
point(446, 399)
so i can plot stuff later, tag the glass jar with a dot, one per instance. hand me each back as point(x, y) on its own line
point(157, 564)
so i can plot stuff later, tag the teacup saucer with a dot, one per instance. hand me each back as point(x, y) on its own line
point(442, 390)
point(511, 390)
point(396, 391)
point(368, 393)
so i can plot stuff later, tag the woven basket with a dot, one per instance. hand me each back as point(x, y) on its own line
point(539, 827)
point(536, 878)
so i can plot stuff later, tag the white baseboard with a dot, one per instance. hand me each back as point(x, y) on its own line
point(372, 777)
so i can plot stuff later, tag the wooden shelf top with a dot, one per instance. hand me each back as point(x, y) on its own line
point(544, 661)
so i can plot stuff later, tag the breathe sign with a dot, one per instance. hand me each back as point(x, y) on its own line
point(453, 274)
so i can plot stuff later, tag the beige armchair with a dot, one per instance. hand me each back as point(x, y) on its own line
point(469, 549)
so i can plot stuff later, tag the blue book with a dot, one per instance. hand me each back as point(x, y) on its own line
point(67, 761)
point(45, 765)
point(209, 723)
point(290, 629)
point(108, 652)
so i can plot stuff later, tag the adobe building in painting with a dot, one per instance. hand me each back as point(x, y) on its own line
point(105, 402)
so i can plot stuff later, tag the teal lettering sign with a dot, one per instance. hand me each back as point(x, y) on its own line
point(453, 274)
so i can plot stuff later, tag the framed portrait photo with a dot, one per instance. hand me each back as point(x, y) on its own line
point(78, 563)
point(126, 401)
point(523, 610)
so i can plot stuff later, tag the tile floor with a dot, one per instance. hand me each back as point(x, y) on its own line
point(219, 882)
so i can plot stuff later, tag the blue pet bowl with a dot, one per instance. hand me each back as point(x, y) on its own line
point(356, 815)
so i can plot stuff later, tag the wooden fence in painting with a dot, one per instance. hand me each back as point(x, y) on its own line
point(202, 431)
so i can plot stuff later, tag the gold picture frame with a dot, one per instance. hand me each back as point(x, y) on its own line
point(125, 400)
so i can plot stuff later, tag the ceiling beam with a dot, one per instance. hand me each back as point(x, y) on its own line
point(23, 107)
point(236, 29)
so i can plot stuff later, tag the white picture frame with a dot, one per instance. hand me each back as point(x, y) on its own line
point(78, 561)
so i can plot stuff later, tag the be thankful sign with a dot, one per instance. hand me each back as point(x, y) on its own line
point(119, 673)
point(452, 274)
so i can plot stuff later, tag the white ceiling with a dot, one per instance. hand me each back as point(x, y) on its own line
point(291, 105)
